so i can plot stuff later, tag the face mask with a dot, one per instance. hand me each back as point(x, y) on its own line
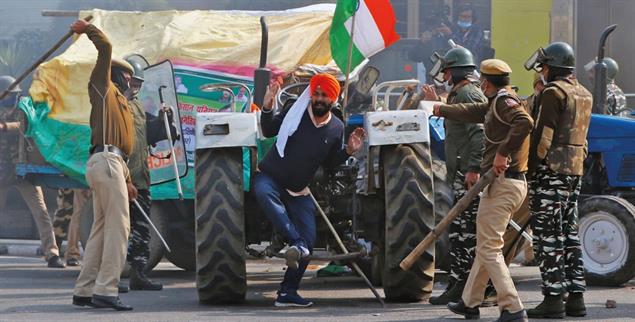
point(464, 24)
point(320, 108)
point(448, 86)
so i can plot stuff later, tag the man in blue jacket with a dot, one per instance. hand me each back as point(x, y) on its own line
point(309, 136)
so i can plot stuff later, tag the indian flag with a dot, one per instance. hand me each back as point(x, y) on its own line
point(374, 30)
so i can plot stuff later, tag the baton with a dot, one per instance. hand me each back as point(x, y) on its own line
point(29, 70)
point(179, 189)
point(345, 251)
point(165, 244)
point(520, 230)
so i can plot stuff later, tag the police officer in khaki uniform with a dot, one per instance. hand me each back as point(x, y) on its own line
point(507, 127)
point(558, 150)
point(112, 140)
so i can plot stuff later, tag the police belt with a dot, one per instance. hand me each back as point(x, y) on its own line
point(109, 148)
point(515, 175)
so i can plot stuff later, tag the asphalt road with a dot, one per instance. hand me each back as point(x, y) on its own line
point(31, 292)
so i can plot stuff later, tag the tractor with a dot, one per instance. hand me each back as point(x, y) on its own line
point(382, 202)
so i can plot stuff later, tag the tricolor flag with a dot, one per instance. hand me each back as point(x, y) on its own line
point(374, 30)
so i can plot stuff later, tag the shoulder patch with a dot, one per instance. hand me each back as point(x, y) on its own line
point(511, 102)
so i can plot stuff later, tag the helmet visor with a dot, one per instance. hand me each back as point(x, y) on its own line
point(437, 67)
point(536, 60)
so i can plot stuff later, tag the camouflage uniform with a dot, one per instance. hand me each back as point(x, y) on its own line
point(462, 235)
point(463, 153)
point(615, 99)
point(139, 242)
point(557, 153)
point(63, 213)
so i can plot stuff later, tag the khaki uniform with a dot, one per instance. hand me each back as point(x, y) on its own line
point(107, 175)
point(507, 126)
point(31, 194)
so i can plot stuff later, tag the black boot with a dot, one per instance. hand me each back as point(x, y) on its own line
point(520, 316)
point(575, 305)
point(83, 301)
point(451, 294)
point(470, 313)
point(55, 262)
point(551, 307)
point(140, 282)
point(110, 302)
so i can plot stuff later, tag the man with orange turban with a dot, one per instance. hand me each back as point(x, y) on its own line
point(308, 137)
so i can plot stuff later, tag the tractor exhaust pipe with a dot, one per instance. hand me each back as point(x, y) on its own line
point(262, 74)
point(599, 70)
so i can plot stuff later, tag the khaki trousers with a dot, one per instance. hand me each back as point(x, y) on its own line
point(34, 199)
point(80, 196)
point(521, 217)
point(499, 201)
point(105, 252)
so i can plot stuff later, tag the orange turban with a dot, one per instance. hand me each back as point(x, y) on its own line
point(328, 84)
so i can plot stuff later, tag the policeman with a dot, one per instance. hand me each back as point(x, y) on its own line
point(615, 98)
point(506, 131)
point(558, 150)
point(107, 174)
point(463, 154)
point(139, 244)
point(10, 129)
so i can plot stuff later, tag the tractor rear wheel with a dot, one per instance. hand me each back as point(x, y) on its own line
point(443, 202)
point(409, 198)
point(221, 275)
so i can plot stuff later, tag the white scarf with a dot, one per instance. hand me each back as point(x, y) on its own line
point(292, 120)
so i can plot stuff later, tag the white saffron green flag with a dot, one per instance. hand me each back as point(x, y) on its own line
point(374, 30)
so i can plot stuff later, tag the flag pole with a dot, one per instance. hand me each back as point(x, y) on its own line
point(348, 63)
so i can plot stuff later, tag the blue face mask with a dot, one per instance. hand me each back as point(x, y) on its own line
point(464, 24)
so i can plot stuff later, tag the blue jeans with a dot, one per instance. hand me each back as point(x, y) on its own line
point(293, 217)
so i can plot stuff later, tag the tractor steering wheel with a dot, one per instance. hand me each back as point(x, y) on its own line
point(290, 91)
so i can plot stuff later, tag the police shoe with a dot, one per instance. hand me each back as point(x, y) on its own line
point(520, 316)
point(575, 305)
point(140, 282)
point(551, 307)
point(83, 301)
point(470, 313)
point(110, 302)
point(451, 294)
point(55, 262)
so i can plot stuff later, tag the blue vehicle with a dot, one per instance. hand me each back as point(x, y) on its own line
point(606, 211)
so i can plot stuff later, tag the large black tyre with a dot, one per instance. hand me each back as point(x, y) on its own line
point(221, 275)
point(158, 217)
point(607, 234)
point(181, 234)
point(443, 202)
point(409, 198)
